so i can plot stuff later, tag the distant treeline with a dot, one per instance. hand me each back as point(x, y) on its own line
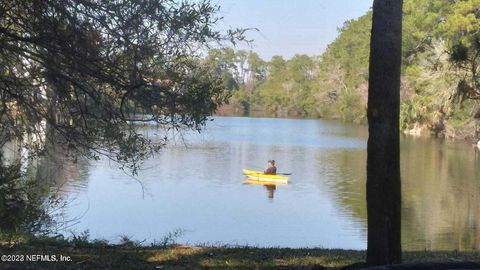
point(441, 40)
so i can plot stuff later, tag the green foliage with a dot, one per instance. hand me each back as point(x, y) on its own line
point(24, 208)
point(350, 51)
point(81, 240)
point(87, 71)
point(303, 85)
point(290, 85)
point(350, 107)
point(277, 86)
point(224, 63)
point(436, 34)
point(127, 241)
point(169, 239)
point(461, 30)
point(459, 53)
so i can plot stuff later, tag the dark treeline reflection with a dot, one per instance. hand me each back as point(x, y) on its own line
point(440, 192)
point(34, 190)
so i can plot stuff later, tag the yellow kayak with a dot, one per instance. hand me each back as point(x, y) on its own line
point(260, 176)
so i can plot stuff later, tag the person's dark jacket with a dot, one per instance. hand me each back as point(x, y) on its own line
point(271, 170)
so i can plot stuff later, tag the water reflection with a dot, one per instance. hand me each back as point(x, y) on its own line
point(440, 192)
point(53, 169)
point(271, 189)
point(269, 186)
point(198, 187)
point(35, 190)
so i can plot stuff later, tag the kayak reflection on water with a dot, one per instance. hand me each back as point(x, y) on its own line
point(271, 187)
point(270, 190)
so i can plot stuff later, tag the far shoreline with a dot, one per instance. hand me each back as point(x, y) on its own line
point(415, 132)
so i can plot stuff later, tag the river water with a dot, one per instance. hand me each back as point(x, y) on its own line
point(196, 184)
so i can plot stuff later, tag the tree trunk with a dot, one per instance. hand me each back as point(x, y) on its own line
point(383, 161)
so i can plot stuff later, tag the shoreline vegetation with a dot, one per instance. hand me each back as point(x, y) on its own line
point(194, 257)
point(416, 130)
point(99, 254)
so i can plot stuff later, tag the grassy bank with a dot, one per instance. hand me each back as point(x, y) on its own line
point(104, 256)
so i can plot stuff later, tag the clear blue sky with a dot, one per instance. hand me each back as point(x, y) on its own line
point(288, 27)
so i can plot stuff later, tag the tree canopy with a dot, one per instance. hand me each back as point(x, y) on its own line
point(85, 71)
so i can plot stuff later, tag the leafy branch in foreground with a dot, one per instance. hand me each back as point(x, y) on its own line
point(81, 73)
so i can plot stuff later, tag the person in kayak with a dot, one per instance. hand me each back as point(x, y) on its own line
point(271, 168)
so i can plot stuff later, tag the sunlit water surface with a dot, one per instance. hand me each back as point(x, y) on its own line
point(196, 185)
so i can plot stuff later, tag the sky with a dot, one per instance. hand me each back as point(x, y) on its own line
point(289, 27)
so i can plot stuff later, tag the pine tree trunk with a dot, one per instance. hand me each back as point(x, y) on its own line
point(383, 161)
